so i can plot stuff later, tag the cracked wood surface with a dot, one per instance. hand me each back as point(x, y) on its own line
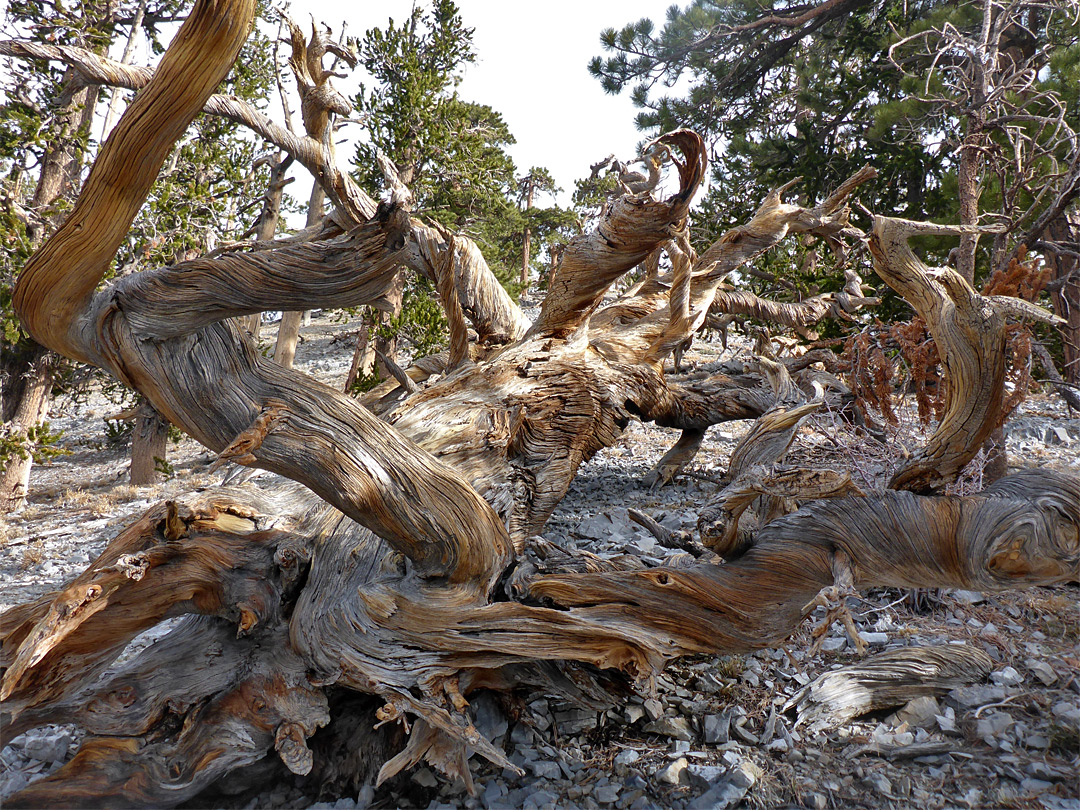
point(397, 571)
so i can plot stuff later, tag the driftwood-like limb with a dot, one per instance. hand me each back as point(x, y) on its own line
point(799, 314)
point(775, 219)
point(55, 286)
point(676, 459)
point(889, 679)
point(718, 520)
point(769, 438)
point(969, 330)
point(448, 295)
point(1023, 529)
point(210, 556)
point(627, 233)
point(666, 537)
point(392, 571)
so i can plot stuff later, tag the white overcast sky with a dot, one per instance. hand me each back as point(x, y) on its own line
point(531, 67)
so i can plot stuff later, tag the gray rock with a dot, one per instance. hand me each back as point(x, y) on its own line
point(677, 728)
point(817, 801)
point(635, 781)
point(366, 796)
point(425, 778)
point(634, 713)
point(715, 728)
point(1050, 773)
point(705, 776)
point(967, 597)
point(575, 721)
point(834, 644)
point(1057, 435)
point(674, 773)
point(608, 794)
point(541, 799)
point(947, 724)
point(489, 718)
point(875, 639)
point(654, 709)
point(921, 712)
point(1069, 712)
point(1043, 671)
point(967, 697)
point(1036, 741)
point(994, 724)
point(745, 774)
point(12, 783)
point(627, 756)
point(879, 783)
point(1033, 787)
point(1007, 677)
point(52, 748)
point(545, 769)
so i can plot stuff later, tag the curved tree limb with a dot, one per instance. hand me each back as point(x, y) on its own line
point(969, 330)
point(55, 286)
point(628, 231)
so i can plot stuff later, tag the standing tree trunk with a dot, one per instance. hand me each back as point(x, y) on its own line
point(148, 445)
point(289, 329)
point(266, 225)
point(527, 236)
point(29, 413)
point(28, 372)
point(1065, 289)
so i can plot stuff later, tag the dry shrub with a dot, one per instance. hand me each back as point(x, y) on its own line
point(34, 555)
point(1024, 280)
point(884, 357)
point(100, 502)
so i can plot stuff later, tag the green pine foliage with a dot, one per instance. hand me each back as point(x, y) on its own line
point(824, 97)
point(449, 151)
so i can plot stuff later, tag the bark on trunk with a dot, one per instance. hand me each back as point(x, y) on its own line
point(149, 442)
point(30, 412)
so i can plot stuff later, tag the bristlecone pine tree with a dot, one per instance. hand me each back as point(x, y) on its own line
point(393, 570)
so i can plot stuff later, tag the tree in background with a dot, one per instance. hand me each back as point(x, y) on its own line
point(44, 139)
point(972, 117)
point(199, 201)
point(548, 226)
point(450, 152)
point(783, 92)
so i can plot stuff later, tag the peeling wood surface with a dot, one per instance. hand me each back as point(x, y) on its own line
point(400, 563)
point(887, 680)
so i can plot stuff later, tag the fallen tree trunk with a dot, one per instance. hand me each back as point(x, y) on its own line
point(393, 567)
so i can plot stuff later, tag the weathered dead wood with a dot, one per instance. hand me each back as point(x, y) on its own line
point(628, 231)
point(419, 519)
point(969, 330)
point(886, 680)
point(676, 459)
point(718, 520)
point(1023, 529)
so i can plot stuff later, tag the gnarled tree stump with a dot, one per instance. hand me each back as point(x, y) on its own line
point(385, 560)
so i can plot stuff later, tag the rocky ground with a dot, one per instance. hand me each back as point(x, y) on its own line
point(714, 733)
